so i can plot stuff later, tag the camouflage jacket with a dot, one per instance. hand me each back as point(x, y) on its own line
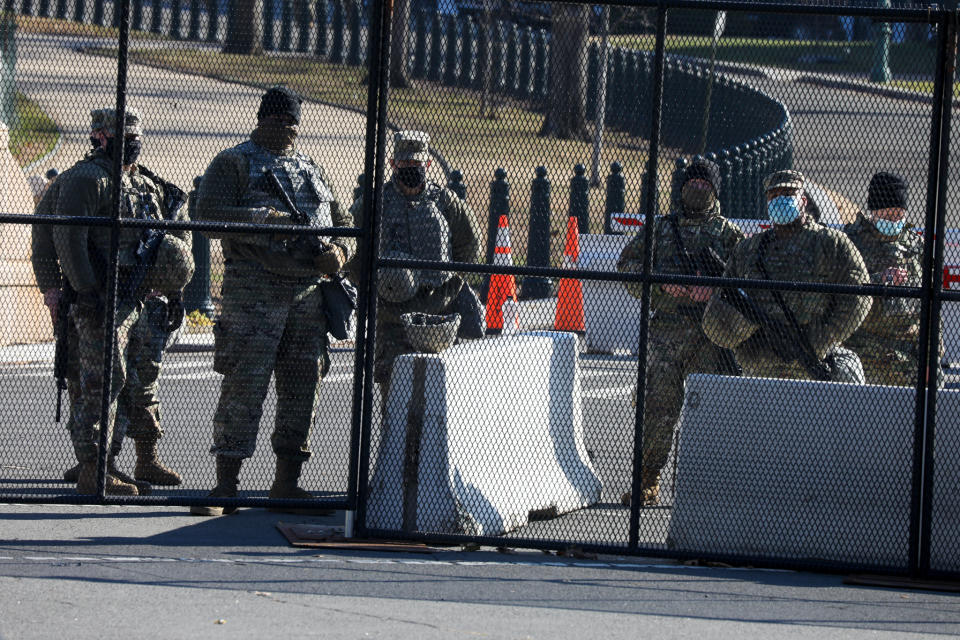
point(889, 316)
point(464, 241)
point(808, 253)
point(712, 231)
point(223, 197)
point(86, 190)
point(43, 255)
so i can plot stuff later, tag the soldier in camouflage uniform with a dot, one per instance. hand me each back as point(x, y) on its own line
point(797, 248)
point(83, 254)
point(677, 344)
point(273, 309)
point(424, 221)
point(888, 340)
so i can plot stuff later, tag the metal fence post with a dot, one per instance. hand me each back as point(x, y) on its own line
point(526, 55)
point(304, 18)
point(616, 200)
point(213, 20)
point(354, 57)
point(483, 55)
point(593, 80)
point(633, 536)
point(337, 50)
point(538, 237)
point(61, 10)
point(420, 46)
point(320, 48)
point(436, 47)
point(450, 63)
point(466, 52)
point(156, 16)
point(510, 72)
point(175, 19)
point(193, 31)
point(99, 13)
point(286, 25)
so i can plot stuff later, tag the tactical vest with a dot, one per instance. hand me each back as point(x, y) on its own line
point(300, 179)
point(418, 229)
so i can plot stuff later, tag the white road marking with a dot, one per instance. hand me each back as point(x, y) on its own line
point(609, 393)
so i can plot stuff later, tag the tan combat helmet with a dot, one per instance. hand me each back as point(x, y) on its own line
point(172, 268)
point(411, 145)
point(106, 120)
point(428, 333)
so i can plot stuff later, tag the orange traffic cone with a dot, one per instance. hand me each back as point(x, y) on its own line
point(569, 315)
point(502, 287)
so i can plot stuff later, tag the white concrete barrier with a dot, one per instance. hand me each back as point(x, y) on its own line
point(479, 436)
point(611, 316)
point(806, 470)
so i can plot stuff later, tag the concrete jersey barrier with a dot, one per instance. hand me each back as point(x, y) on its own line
point(478, 437)
point(808, 470)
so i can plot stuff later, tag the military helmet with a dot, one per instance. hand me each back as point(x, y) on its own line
point(785, 179)
point(106, 120)
point(429, 333)
point(172, 269)
point(411, 145)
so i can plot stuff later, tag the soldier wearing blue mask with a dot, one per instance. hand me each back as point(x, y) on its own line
point(887, 341)
point(806, 328)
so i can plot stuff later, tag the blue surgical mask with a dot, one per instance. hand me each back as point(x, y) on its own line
point(784, 209)
point(889, 227)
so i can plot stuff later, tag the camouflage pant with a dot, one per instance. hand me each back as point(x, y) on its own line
point(138, 411)
point(676, 349)
point(888, 360)
point(391, 337)
point(86, 398)
point(270, 325)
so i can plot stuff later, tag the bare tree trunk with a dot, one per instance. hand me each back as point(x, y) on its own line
point(567, 106)
point(244, 27)
point(595, 179)
point(400, 27)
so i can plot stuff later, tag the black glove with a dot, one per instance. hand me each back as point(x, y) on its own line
point(175, 314)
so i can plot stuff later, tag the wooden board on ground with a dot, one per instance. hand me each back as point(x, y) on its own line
point(326, 537)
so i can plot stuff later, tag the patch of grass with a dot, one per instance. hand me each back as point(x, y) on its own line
point(473, 144)
point(34, 135)
point(68, 28)
point(923, 86)
point(906, 58)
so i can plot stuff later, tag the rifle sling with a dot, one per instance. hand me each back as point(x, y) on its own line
point(787, 311)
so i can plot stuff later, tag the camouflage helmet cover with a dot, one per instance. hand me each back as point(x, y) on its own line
point(106, 120)
point(411, 145)
point(428, 333)
point(172, 269)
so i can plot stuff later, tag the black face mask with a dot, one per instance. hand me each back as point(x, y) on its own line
point(411, 177)
point(275, 135)
point(131, 149)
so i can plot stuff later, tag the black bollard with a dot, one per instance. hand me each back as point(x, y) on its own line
point(456, 184)
point(354, 58)
point(339, 28)
point(436, 48)
point(175, 11)
point(286, 25)
point(616, 194)
point(450, 63)
point(538, 237)
point(580, 198)
point(323, 14)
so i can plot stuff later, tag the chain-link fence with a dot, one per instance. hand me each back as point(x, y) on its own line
point(763, 374)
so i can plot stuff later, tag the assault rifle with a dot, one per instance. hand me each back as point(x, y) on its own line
point(61, 354)
point(298, 216)
point(789, 343)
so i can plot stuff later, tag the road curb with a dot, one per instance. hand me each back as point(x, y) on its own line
point(865, 87)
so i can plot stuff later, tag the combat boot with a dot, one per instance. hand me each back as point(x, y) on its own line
point(73, 473)
point(649, 490)
point(285, 488)
point(228, 478)
point(143, 488)
point(87, 482)
point(149, 468)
